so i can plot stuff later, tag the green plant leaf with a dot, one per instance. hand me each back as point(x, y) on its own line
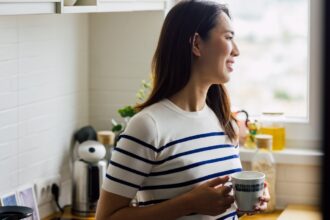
point(127, 111)
point(117, 128)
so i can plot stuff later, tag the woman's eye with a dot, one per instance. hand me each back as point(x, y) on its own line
point(229, 37)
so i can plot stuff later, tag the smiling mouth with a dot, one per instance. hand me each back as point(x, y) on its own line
point(230, 65)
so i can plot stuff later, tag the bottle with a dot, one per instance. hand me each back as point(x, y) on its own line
point(263, 161)
point(272, 124)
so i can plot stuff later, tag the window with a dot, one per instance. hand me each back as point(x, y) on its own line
point(279, 68)
point(272, 71)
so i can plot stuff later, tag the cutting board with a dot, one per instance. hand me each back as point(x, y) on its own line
point(301, 212)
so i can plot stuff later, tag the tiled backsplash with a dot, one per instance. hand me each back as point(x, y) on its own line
point(121, 56)
point(296, 184)
point(43, 94)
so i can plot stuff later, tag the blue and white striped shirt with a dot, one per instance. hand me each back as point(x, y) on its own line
point(166, 151)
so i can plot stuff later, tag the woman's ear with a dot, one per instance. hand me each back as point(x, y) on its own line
point(196, 45)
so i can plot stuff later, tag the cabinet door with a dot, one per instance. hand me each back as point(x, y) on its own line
point(131, 5)
point(21, 7)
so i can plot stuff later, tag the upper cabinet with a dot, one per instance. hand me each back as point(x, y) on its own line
point(86, 6)
point(16, 7)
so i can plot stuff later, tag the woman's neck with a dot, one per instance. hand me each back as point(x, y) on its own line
point(192, 97)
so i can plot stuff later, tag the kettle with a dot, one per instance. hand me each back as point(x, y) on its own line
point(89, 171)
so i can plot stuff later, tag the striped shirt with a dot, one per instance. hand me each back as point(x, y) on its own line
point(166, 151)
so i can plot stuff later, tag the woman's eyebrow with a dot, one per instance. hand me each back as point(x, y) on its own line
point(230, 31)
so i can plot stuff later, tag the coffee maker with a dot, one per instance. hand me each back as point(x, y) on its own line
point(89, 170)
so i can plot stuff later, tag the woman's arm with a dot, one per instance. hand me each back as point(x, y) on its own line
point(208, 198)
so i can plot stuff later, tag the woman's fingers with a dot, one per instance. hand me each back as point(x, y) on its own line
point(264, 199)
point(217, 181)
point(261, 207)
point(224, 190)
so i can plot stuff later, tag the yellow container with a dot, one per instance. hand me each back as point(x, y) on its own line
point(272, 124)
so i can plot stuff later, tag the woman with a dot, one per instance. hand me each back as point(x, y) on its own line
point(176, 154)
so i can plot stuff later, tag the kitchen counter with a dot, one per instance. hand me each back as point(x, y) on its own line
point(292, 212)
point(67, 215)
point(265, 216)
point(301, 212)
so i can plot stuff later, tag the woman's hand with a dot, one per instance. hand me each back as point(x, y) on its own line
point(263, 201)
point(212, 197)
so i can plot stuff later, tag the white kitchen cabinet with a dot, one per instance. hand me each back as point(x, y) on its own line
point(20, 7)
point(95, 6)
point(17, 7)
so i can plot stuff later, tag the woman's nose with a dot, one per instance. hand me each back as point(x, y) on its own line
point(235, 52)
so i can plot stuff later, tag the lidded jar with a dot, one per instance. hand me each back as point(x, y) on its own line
point(272, 123)
point(107, 138)
point(263, 161)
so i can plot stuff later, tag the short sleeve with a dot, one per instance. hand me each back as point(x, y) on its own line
point(133, 157)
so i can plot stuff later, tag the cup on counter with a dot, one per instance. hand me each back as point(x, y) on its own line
point(248, 187)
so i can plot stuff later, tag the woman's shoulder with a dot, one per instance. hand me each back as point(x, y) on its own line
point(146, 119)
point(153, 111)
point(143, 127)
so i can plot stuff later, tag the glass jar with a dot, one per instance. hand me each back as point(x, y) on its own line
point(107, 138)
point(263, 161)
point(272, 123)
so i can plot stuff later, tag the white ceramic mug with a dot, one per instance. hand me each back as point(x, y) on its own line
point(248, 187)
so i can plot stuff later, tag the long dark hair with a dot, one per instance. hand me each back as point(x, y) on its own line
point(171, 64)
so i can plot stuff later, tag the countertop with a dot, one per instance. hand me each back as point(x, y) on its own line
point(292, 212)
point(67, 215)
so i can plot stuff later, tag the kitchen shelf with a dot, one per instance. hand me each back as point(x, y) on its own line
point(111, 6)
point(114, 6)
point(78, 9)
point(288, 156)
point(22, 7)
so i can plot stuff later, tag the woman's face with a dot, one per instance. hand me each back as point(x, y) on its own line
point(217, 52)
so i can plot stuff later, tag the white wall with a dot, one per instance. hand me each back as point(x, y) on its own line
point(43, 94)
point(122, 46)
